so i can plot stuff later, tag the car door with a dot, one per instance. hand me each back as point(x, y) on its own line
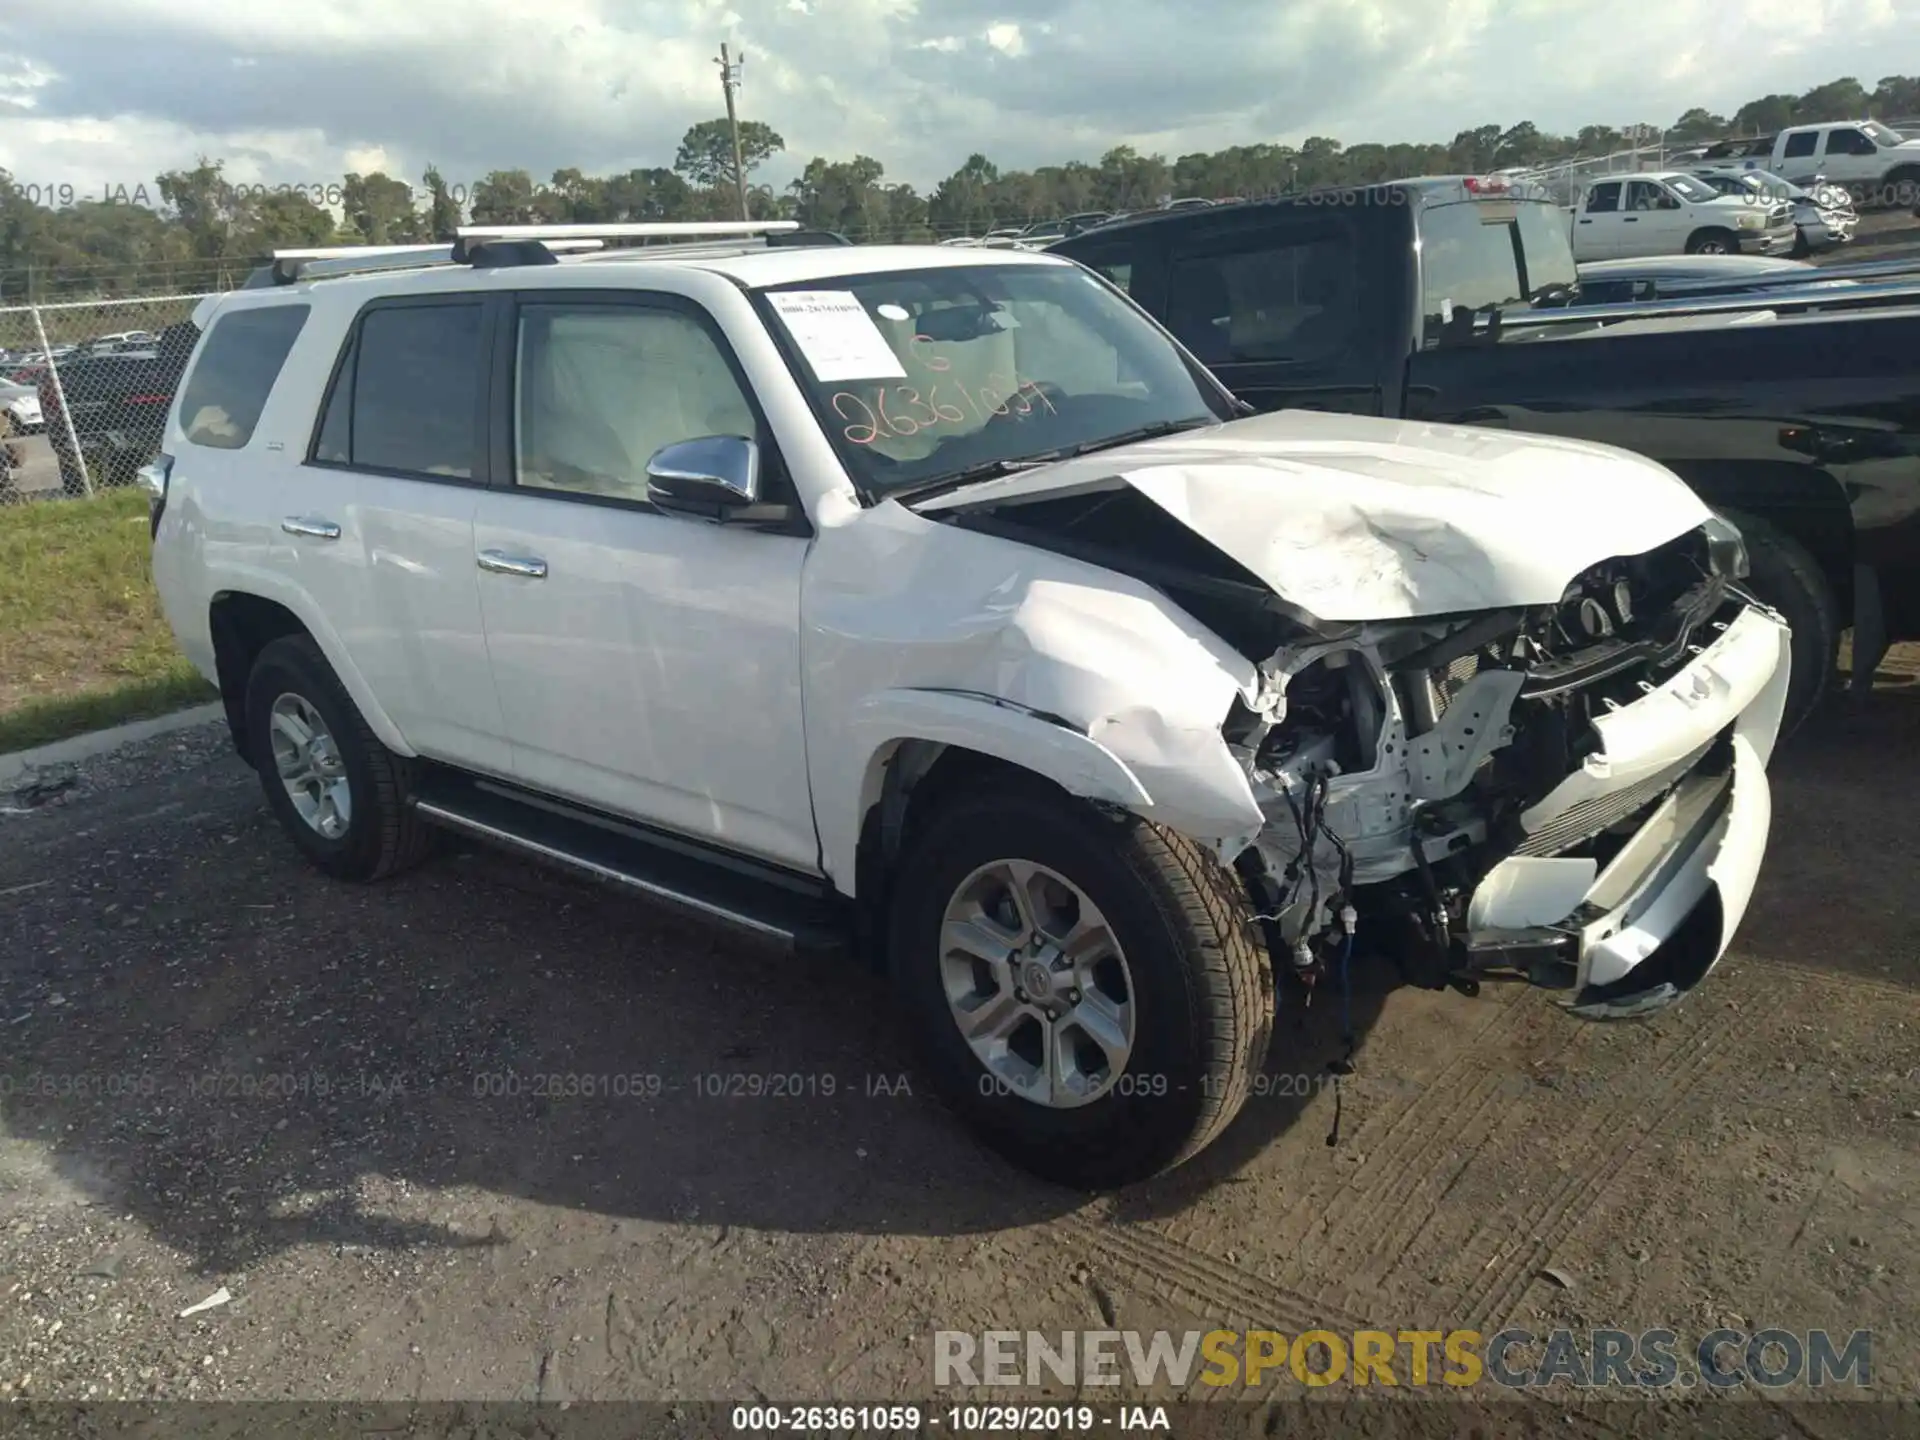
point(647, 663)
point(1801, 157)
point(396, 467)
point(1641, 225)
point(1596, 229)
point(1278, 312)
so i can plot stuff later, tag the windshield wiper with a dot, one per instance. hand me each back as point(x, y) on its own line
point(995, 469)
point(985, 470)
point(1145, 432)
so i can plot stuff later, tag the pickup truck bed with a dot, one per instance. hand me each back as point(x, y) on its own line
point(1798, 413)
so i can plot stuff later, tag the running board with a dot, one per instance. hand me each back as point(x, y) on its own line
point(793, 909)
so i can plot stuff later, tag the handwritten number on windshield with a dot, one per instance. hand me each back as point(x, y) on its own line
point(898, 411)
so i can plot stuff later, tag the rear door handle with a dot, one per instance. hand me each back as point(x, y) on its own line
point(309, 526)
point(502, 563)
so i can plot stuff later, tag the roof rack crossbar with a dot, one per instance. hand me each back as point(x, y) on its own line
point(630, 230)
point(288, 267)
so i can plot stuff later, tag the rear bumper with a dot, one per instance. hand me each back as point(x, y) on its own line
point(1633, 936)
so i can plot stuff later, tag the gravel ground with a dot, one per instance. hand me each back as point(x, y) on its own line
point(220, 1072)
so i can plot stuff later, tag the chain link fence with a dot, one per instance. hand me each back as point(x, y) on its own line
point(85, 386)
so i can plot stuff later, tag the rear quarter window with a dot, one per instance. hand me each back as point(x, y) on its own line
point(229, 384)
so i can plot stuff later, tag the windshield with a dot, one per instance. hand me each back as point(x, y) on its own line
point(1688, 188)
point(918, 375)
point(1880, 134)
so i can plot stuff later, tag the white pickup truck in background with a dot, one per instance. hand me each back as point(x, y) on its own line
point(1627, 217)
point(1878, 165)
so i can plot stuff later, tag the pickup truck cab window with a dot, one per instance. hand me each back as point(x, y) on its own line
point(1850, 142)
point(600, 389)
point(1292, 298)
point(965, 367)
point(1479, 256)
point(1800, 144)
point(1603, 197)
point(238, 365)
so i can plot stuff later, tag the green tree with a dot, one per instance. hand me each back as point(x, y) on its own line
point(380, 209)
point(705, 156)
point(1842, 99)
point(1696, 125)
point(1765, 115)
point(504, 197)
point(443, 211)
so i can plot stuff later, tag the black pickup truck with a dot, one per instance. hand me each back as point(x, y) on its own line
point(118, 406)
point(1456, 299)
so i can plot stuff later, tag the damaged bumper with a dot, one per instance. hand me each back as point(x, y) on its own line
point(1681, 774)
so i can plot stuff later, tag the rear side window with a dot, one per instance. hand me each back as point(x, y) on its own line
point(1801, 145)
point(1292, 300)
point(1604, 197)
point(405, 399)
point(1481, 256)
point(229, 386)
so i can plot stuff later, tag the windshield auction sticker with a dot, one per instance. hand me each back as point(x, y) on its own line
point(836, 335)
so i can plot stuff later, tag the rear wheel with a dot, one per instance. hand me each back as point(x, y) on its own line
point(1088, 992)
point(1787, 577)
point(337, 791)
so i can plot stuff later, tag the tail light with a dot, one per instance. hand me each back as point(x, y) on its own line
point(153, 478)
point(1487, 185)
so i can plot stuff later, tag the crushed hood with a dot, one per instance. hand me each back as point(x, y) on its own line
point(1347, 518)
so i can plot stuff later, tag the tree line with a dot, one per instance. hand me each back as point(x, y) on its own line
point(194, 229)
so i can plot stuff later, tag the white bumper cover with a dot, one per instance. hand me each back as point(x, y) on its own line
point(1641, 934)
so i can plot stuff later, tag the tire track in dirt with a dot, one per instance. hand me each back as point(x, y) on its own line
point(1206, 1284)
point(1469, 1095)
point(1639, 1112)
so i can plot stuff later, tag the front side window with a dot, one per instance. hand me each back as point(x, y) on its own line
point(1297, 300)
point(1850, 142)
point(920, 375)
point(237, 368)
point(405, 399)
point(599, 390)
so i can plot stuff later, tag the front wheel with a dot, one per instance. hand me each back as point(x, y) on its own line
point(1786, 576)
point(1088, 992)
point(1713, 242)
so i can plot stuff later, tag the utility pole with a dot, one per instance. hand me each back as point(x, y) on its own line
point(729, 81)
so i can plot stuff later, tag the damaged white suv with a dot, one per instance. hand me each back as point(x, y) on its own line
point(940, 598)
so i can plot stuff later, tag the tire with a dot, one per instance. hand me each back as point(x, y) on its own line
point(1787, 577)
point(1195, 972)
point(380, 834)
point(1713, 242)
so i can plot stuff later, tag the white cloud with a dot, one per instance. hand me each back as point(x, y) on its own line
point(1007, 39)
point(94, 92)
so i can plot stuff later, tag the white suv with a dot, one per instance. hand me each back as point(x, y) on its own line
point(939, 598)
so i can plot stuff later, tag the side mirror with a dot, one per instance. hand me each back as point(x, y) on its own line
point(706, 477)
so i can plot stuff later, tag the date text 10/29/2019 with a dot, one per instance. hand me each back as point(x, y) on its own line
point(960, 1419)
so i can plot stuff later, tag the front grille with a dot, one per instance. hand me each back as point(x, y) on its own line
point(1590, 817)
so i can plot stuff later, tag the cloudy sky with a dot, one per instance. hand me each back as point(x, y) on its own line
point(100, 93)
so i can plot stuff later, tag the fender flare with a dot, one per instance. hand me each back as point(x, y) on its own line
point(1045, 746)
point(266, 585)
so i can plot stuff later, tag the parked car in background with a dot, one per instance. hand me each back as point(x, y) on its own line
point(1876, 163)
point(117, 406)
point(1672, 213)
point(19, 409)
point(1824, 217)
point(1425, 300)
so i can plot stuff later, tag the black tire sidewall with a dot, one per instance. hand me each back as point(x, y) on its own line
point(1131, 1131)
point(295, 666)
point(1783, 576)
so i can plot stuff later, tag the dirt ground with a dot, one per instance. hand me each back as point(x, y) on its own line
point(218, 1069)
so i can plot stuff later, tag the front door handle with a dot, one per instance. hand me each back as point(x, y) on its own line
point(309, 526)
point(502, 563)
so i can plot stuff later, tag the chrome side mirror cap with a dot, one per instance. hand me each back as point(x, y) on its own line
point(706, 476)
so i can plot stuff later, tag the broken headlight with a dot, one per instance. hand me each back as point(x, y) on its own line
point(1726, 548)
